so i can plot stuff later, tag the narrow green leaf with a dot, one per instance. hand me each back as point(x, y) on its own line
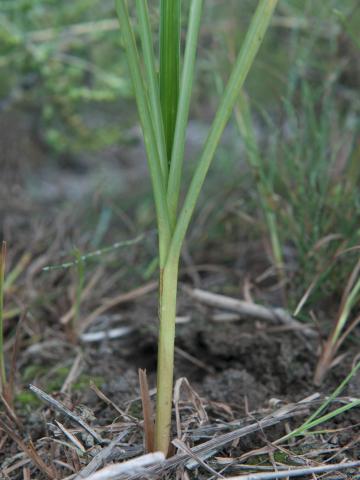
point(250, 47)
point(170, 23)
point(157, 178)
point(348, 305)
point(265, 191)
point(152, 82)
point(187, 79)
point(315, 418)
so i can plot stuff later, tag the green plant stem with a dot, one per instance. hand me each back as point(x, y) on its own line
point(187, 78)
point(165, 368)
point(242, 66)
point(2, 278)
point(168, 276)
point(170, 24)
point(170, 240)
point(250, 47)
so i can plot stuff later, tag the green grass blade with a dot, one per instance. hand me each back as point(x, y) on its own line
point(170, 12)
point(315, 418)
point(96, 253)
point(349, 304)
point(328, 416)
point(157, 178)
point(335, 394)
point(251, 45)
point(187, 78)
point(152, 82)
point(246, 129)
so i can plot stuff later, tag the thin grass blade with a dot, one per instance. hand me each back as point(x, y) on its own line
point(313, 420)
point(157, 177)
point(152, 82)
point(250, 47)
point(187, 78)
point(170, 12)
point(351, 296)
point(246, 129)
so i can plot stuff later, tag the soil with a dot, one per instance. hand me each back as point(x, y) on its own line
point(236, 367)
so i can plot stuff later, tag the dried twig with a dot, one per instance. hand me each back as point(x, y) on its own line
point(296, 472)
point(107, 400)
point(183, 447)
point(101, 458)
point(73, 373)
point(217, 443)
point(90, 337)
point(195, 400)
point(65, 411)
point(11, 412)
point(71, 437)
point(248, 309)
point(122, 298)
point(137, 464)
point(190, 358)
point(29, 449)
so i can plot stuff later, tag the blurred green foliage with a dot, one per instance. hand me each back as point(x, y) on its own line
point(63, 62)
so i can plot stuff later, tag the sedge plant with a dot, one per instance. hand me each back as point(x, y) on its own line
point(163, 102)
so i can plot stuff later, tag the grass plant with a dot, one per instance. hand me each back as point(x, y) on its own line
point(317, 418)
point(263, 185)
point(164, 113)
point(309, 166)
point(342, 326)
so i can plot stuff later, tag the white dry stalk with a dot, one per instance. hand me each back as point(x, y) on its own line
point(105, 334)
point(296, 472)
point(129, 467)
point(248, 309)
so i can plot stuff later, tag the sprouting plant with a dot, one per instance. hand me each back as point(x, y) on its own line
point(163, 108)
point(350, 298)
